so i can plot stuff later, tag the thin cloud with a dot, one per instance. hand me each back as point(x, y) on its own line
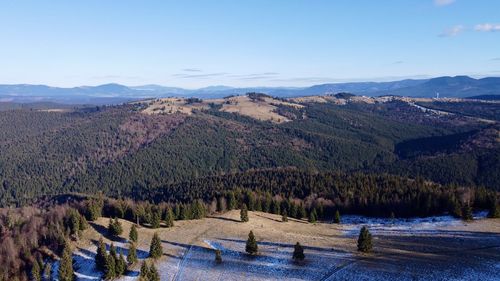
point(199, 76)
point(398, 62)
point(443, 2)
point(192, 70)
point(452, 32)
point(487, 27)
point(255, 76)
point(495, 59)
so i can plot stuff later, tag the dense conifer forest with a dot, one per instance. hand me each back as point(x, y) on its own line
point(118, 150)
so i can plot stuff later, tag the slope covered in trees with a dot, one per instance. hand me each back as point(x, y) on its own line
point(118, 150)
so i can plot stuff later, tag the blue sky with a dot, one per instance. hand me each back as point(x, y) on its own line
point(196, 43)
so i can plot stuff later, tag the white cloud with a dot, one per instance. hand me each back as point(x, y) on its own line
point(443, 2)
point(487, 27)
point(454, 31)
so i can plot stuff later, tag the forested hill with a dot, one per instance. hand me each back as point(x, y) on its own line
point(120, 149)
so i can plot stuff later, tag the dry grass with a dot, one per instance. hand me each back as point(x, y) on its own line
point(458, 249)
point(260, 109)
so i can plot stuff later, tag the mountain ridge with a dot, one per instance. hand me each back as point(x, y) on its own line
point(446, 86)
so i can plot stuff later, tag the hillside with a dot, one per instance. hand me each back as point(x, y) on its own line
point(122, 148)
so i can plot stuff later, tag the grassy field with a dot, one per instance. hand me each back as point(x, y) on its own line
point(404, 251)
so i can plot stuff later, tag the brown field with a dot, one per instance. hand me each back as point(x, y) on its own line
point(456, 251)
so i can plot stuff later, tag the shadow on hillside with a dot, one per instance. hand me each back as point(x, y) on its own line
point(104, 232)
point(141, 254)
point(224, 219)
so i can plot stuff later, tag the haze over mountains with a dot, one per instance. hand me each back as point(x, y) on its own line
point(456, 87)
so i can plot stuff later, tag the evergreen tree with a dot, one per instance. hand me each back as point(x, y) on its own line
point(121, 265)
point(198, 210)
point(132, 254)
point(66, 272)
point(74, 222)
point(336, 218)
point(231, 201)
point(284, 216)
point(177, 212)
point(94, 210)
point(218, 256)
point(133, 235)
point(115, 227)
point(144, 270)
point(185, 212)
point(155, 220)
point(267, 203)
point(169, 217)
point(298, 252)
point(101, 256)
point(112, 251)
point(275, 207)
point(155, 250)
point(244, 213)
point(251, 201)
point(153, 274)
point(35, 271)
point(293, 210)
point(312, 216)
point(251, 246)
point(467, 213)
point(364, 240)
point(301, 212)
point(110, 271)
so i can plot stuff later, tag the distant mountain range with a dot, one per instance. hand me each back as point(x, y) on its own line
point(458, 86)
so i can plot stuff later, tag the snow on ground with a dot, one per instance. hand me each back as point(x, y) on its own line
point(273, 262)
point(408, 226)
point(434, 248)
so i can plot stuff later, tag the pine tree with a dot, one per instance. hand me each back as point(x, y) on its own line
point(251, 201)
point(121, 265)
point(218, 256)
point(185, 212)
point(198, 210)
point(298, 252)
point(284, 216)
point(132, 254)
point(35, 271)
point(251, 246)
point(336, 219)
point(115, 227)
point(467, 213)
point(112, 251)
point(244, 213)
point(364, 240)
point(144, 270)
point(275, 207)
point(155, 220)
point(133, 235)
point(169, 217)
point(293, 210)
point(231, 201)
point(155, 250)
point(110, 271)
point(101, 256)
point(153, 274)
point(66, 272)
point(177, 212)
point(74, 222)
point(312, 216)
point(301, 212)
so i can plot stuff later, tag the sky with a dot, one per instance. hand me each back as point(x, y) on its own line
point(198, 43)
